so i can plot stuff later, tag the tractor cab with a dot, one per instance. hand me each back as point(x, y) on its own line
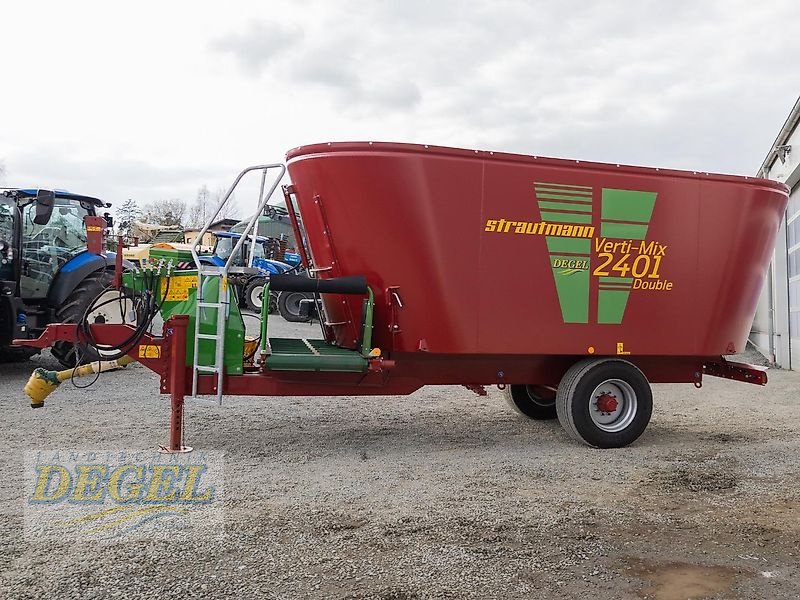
point(40, 232)
point(48, 244)
point(51, 260)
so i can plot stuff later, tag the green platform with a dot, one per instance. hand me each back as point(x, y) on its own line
point(313, 355)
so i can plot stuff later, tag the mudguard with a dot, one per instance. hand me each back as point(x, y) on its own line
point(76, 270)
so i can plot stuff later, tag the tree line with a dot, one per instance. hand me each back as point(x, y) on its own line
point(175, 212)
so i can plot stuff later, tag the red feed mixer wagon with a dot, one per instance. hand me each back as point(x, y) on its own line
point(571, 285)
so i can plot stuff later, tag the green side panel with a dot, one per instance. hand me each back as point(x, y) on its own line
point(627, 280)
point(573, 292)
point(626, 205)
point(611, 306)
point(559, 217)
point(571, 245)
point(625, 231)
point(295, 355)
point(179, 283)
point(180, 286)
point(172, 254)
point(234, 329)
point(587, 208)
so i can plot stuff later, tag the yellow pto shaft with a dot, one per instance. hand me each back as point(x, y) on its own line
point(42, 382)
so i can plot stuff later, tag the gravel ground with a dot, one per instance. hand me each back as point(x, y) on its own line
point(442, 494)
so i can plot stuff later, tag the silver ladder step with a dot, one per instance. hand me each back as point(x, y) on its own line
point(210, 305)
point(221, 308)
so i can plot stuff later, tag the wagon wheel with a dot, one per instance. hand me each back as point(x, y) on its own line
point(289, 306)
point(604, 403)
point(532, 401)
point(254, 293)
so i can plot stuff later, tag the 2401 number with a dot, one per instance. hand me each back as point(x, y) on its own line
point(643, 266)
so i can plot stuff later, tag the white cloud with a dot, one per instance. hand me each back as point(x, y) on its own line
point(260, 43)
point(156, 99)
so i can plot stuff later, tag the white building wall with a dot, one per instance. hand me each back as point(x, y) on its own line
point(776, 327)
point(762, 323)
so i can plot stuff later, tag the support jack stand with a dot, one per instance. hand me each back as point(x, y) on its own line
point(177, 384)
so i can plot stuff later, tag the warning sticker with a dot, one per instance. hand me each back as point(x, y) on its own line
point(149, 351)
point(179, 287)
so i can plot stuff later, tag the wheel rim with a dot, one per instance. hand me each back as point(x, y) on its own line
point(256, 297)
point(613, 405)
point(538, 396)
point(114, 312)
point(293, 303)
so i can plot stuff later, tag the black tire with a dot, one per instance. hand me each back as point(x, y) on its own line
point(254, 292)
point(625, 394)
point(273, 303)
point(289, 306)
point(532, 401)
point(72, 311)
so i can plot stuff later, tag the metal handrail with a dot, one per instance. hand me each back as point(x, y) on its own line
point(262, 203)
point(223, 294)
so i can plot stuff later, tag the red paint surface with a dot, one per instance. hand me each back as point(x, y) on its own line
point(413, 217)
point(95, 226)
point(177, 379)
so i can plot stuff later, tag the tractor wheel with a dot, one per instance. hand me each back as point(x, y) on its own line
point(88, 292)
point(532, 401)
point(273, 303)
point(604, 402)
point(254, 293)
point(289, 306)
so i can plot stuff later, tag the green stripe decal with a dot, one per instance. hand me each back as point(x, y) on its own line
point(562, 186)
point(573, 292)
point(624, 231)
point(551, 190)
point(568, 197)
point(611, 306)
point(626, 205)
point(570, 210)
point(586, 208)
point(571, 245)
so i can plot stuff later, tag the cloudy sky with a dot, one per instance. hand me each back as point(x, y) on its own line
point(152, 100)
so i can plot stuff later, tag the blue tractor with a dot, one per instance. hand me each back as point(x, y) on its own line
point(47, 273)
point(265, 259)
